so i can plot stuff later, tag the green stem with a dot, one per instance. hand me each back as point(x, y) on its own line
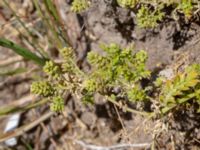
point(52, 29)
point(128, 109)
point(180, 101)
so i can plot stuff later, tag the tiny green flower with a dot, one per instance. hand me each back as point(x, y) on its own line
point(52, 69)
point(80, 5)
point(68, 67)
point(42, 88)
point(67, 53)
point(57, 104)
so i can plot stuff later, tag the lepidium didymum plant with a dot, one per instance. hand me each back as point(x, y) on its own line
point(116, 73)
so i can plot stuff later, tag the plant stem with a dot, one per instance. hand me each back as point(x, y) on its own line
point(25, 128)
point(128, 109)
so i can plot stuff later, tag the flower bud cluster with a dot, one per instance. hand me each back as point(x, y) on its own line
point(43, 88)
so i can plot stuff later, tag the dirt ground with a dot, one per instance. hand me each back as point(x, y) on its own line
point(103, 124)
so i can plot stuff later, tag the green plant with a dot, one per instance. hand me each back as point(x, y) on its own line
point(43, 88)
point(55, 36)
point(186, 7)
point(61, 78)
point(57, 104)
point(152, 11)
point(119, 68)
point(147, 18)
point(80, 5)
point(116, 74)
point(179, 90)
point(127, 3)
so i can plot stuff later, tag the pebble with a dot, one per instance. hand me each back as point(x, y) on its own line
point(12, 123)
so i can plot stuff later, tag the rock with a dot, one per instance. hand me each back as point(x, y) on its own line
point(167, 73)
point(88, 118)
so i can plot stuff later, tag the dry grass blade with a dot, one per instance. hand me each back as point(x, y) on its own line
point(11, 72)
point(10, 60)
point(113, 147)
point(10, 109)
point(23, 100)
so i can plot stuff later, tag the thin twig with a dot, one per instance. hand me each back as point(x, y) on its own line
point(128, 109)
point(113, 147)
point(13, 81)
point(13, 109)
point(25, 128)
point(122, 124)
point(20, 102)
point(11, 60)
point(47, 131)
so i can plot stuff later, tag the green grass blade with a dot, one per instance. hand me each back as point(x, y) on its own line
point(57, 21)
point(51, 8)
point(30, 33)
point(27, 54)
point(26, 144)
point(55, 39)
